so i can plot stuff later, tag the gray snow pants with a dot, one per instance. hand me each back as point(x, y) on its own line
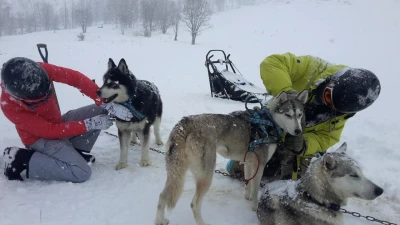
point(58, 159)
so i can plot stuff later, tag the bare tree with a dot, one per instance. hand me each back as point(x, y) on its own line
point(196, 15)
point(110, 13)
point(148, 11)
point(220, 4)
point(164, 15)
point(123, 14)
point(83, 14)
point(54, 22)
point(21, 19)
point(65, 14)
point(176, 15)
point(47, 15)
point(9, 21)
point(127, 13)
point(2, 19)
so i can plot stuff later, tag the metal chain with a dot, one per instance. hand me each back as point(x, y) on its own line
point(133, 143)
point(240, 178)
point(225, 174)
point(369, 218)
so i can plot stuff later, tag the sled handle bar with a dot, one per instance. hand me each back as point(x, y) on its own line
point(251, 98)
point(216, 50)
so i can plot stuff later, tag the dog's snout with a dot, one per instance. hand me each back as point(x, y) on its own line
point(297, 132)
point(98, 92)
point(378, 191)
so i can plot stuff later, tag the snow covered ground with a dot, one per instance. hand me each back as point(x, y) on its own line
point(358, 33)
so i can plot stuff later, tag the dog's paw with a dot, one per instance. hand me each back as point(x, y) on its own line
point(144, 163)
point(162, 222)
point(247, 194)
point(159, 142)
point(248, 197)
point(254, 204)
point(121, 166)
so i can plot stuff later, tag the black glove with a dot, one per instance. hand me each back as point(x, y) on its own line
point(295, 144)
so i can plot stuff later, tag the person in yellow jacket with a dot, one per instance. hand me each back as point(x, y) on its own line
point(336, 93)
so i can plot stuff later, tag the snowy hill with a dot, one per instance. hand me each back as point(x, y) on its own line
point(358, 33)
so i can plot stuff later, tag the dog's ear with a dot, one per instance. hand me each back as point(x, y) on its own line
point(329, 162)
point(303, 96)
point(282, 97)
point(111, 64)
point(342, 149)
point(123, 67)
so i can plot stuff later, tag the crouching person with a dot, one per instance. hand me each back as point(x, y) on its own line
point(338, 92)
point(57, 147)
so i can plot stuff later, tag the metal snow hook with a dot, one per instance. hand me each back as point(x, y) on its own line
point(46, 60)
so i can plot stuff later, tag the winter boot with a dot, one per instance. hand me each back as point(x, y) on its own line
point(88, 157)
point(16, 160)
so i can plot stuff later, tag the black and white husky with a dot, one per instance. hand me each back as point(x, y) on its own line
point(144, 101)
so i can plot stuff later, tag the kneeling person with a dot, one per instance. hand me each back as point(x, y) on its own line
point(57, 146)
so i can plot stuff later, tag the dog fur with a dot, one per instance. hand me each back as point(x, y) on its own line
point(329, 181)
point(195, 140)
point(119, 86)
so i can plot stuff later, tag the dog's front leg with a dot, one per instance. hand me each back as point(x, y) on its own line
point(144, 140)
point(255, 183)
point(261, 162)
point(125, 137)
point(135, 138)
point(248, 172)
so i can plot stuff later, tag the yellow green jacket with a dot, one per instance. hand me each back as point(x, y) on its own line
point(284, 72)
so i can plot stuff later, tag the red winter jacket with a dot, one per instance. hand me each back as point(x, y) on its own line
point(45, 120)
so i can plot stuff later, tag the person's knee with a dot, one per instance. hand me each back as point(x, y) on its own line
point(97, 110)
point(81, 173)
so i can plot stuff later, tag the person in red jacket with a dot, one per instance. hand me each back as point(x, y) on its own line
point(57, 146)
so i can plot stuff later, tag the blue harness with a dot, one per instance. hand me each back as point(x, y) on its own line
point(137, 114)
point(263, 123)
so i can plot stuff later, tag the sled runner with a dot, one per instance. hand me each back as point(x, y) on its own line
point(228, 84)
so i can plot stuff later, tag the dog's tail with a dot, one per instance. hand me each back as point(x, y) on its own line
point(176, 163)
point(176, 171)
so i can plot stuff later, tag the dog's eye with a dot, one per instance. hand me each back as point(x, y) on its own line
point(355, 176)
point(300, 115)
point(288, 115)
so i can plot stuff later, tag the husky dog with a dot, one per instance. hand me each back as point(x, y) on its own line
point(317, 197)
point(144, 101)
point(195, 140)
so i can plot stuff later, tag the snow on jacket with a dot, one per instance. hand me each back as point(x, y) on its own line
point(45, 120)
point(284, 72)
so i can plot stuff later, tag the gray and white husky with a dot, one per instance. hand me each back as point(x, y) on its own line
point(143, 97)
point(195, 140)
point(317, 197)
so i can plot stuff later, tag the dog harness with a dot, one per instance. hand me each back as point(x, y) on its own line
point(135, 112)
point(263, 124)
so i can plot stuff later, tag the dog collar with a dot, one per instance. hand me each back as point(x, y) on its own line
point(136, 113)
point(331, 206)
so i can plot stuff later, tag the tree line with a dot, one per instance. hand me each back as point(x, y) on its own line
point(27, 16)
